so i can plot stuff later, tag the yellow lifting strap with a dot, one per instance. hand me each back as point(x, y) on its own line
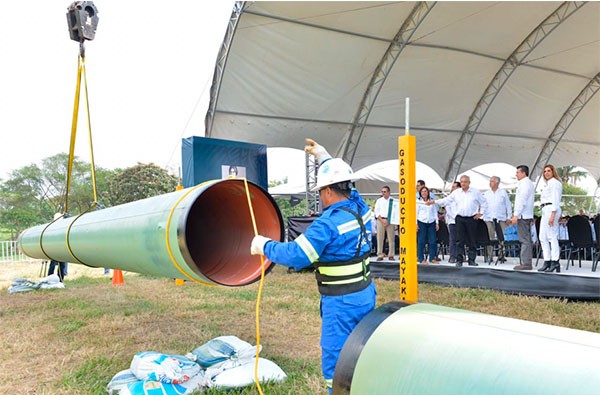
point(80, 73)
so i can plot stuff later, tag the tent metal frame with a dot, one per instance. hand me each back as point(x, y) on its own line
point(564, 123)
point(349, 145)
point(543, 30)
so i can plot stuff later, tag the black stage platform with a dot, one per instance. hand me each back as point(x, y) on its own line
point(573, 284)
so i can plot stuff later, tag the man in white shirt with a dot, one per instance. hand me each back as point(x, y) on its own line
point(523, 216)
point(451, 221)
point(497, 215)
point(382, 207)
point(470, 206)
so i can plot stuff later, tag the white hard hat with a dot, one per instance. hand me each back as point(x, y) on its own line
point(333, 171)
point(57, 215)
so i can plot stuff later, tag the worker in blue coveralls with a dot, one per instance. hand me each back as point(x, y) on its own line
point(338, 243)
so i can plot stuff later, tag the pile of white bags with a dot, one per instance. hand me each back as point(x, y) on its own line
point(24, 285)
point(223, 362)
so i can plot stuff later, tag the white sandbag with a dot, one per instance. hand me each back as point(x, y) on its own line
point(50, 279)
point(242, 376)
point(154, 387)
point(171, 369)
point(57, 285)
point(221, 349)
point(120, 380)
point(22, 285)
point(25, 285)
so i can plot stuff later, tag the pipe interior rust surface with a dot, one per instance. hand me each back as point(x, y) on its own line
point(219, 231)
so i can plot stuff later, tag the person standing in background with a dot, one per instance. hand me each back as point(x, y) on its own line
point(451, 221)
point(496, 217)
point(523, 216)
point(384, 227)
point(550, 205)
point(470, 206)
point(427, 226)
point(61, 271)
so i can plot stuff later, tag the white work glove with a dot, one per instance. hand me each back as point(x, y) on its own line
point(318, 151)
point(258, 245)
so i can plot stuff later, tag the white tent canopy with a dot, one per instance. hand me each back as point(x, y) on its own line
point(370, 179)
point(511, 82)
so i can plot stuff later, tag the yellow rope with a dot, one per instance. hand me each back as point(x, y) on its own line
point(168, 227)
point(80, 72)
point(260, 287)
point(73, 130)
point(87, 104)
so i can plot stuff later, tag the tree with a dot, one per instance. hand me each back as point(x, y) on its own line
point(572, 204)
point(20, 203)
point(32, 194)
point(568, 173)
point(139, 182)
point(274, 183)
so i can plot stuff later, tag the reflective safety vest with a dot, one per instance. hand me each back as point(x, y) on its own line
point(345, 277)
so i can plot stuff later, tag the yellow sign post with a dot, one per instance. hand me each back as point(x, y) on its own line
point(407, 228)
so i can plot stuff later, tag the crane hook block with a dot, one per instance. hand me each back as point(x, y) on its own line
point(82, 17)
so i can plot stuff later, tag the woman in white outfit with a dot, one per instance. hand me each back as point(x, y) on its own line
point(550, 206)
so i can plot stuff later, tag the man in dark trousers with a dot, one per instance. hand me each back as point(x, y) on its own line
point(470, 206)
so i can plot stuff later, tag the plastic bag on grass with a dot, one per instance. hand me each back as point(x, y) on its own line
point(242, 376)
point(149, 387)
point(170, 369)
point(222, 353)
point(25, 285)
point(120, 380)
point(222, 349)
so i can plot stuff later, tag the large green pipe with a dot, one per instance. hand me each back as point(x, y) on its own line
point(426, 349)
point(201, 233)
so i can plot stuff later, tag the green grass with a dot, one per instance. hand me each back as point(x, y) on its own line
point(81, 336)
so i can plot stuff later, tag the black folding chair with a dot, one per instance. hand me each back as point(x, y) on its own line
point(580, 238)
point(597, 242)
point(483, 239)
point(538, 244)
point(443, 238)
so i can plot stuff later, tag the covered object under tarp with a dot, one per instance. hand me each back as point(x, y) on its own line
point(511, 82)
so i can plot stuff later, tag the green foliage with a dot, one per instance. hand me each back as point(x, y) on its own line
point(139, 182)
point(92, 374)
point(568, 175)
point(572, 204)
point(285, 206)
point(32, 194)
point(274, 183)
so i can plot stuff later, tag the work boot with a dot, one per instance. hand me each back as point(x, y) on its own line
point(554, 265)
point(523, 267)
point(545, 267)
point(472, 263)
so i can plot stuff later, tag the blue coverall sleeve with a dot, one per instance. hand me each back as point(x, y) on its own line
point(306, 249)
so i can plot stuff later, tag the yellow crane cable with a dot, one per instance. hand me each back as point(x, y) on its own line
point(260, 288)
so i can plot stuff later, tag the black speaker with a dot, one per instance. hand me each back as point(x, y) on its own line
point(82, 17)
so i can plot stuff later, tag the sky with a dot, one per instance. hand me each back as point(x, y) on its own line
point(149, 72)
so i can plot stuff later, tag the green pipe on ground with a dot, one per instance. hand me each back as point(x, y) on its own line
point(201, 234)
point(426, 349)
